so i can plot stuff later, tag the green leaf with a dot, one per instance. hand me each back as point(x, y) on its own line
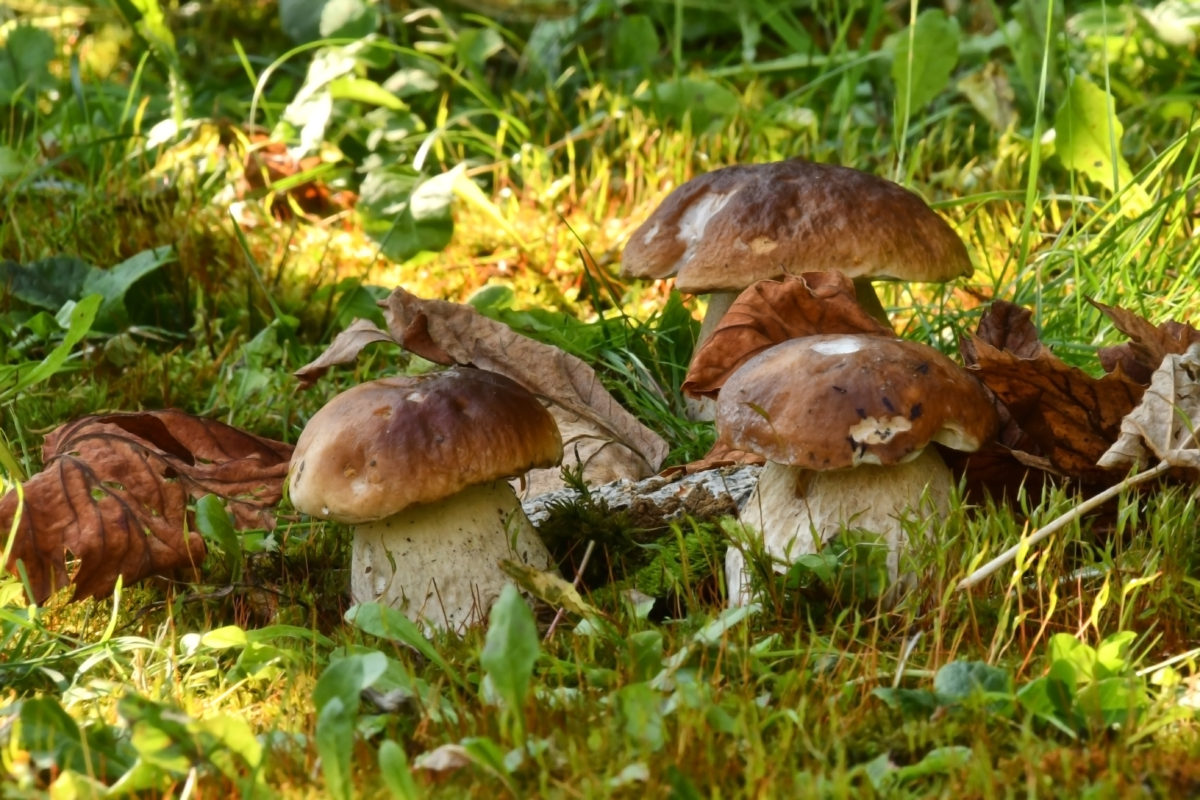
point(511, 647)
point(910, 702)
point(388, 623)
point(77, 318)
point(968, 681)
point(706, 102)
point(1087, 135)
point(1065, 647)
point(301, 19)
point(348, 19)
point(406, 213)
point(113, 283)
point(336, 698)
point(362, 90)
point(640, 709)
point(932, 47)
point(46, 283)
point(51, 736)
point(636, 43)
point(24, 62)
point(397, 775)
point(215, 524)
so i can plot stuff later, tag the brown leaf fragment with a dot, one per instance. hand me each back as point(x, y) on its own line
point(607, 440)
point(721, 454)
point(1148, 346)
point(344, 349)
point(1005, 326)
point(1163, 426)
point(773, 311)
point(114, 492)
point(1068, 416)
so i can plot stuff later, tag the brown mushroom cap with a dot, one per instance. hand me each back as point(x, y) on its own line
point(834, 401)
point(724, 230)
point(384, 445)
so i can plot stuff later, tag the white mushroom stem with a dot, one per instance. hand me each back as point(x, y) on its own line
point(795, 510)
point(704, 409)
point(439, 562)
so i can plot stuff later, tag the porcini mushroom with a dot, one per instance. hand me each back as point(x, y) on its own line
point(724, 230)
point(846, 423)
point(418, 465)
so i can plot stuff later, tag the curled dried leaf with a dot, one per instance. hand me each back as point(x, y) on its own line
point(597, 430)
point(1148, 345)
point(773, 311)
point(1065, 414)
point(114, 496)
point(1163, 426)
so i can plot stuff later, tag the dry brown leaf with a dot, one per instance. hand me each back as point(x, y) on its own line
point(344, 349)
point(1070, 417)
point(1163, 426)
point(1006, 326)
point(773, 311)
point(605, 437)
point(720, 455)
point(1148, 345)
point(114, 495)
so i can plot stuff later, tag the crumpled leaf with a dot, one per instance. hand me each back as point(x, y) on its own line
point(1149, 344)
point(344, 348)
point(114, 495)
point(1163, 426)
point(1060, 411)
point(452, 333)
point(719, 455)
point(773, 311)
point(597, 431)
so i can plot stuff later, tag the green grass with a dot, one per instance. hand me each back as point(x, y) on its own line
point(573, 125)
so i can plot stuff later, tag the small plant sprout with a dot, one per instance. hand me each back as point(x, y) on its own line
point(418, 466)
point(846, 423)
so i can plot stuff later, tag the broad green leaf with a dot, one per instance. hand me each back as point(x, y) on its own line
point(938, 761)
point(636, 43)
point(301, 19)
point(46, 283)
point(336, 698)
point(24, 63)
point(348, 19)
point(1112, 656)
point(1081, 656)
point(406, 213)
point(961, 681)
point(335, 745)
point(388, 623)
point(51, 736)
point(397, 775)
point(225, 637)
point(1087, 135)
point(708, 103)
point(113, 283)
point(924, 57)
point(511, 647)
point(912, 702)
point(641, 715)
point(214, 523)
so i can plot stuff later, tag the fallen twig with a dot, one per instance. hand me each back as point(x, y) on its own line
point(1061, 522)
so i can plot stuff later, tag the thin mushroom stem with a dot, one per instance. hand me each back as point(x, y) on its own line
point(1061, 522)
point(868, 300)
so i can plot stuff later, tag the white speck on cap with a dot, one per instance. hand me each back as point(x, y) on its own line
point(839, 346)
point(696, 219)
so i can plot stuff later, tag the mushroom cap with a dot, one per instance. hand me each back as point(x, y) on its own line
point(384, 445)
point(834, 401)
point(726, 229)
